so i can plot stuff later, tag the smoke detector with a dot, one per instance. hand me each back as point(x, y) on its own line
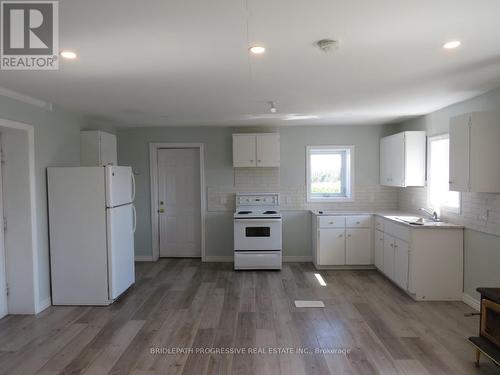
point(327, 45)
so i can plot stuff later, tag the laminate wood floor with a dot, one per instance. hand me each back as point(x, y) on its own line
point(179, 308)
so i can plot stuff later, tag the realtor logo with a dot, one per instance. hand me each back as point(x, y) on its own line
point(29, 35)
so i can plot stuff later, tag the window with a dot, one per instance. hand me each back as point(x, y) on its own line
point(439, 195)
point(329, 173)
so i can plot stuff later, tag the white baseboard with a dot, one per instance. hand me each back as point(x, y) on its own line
point(471, 301)
point(144, 258)
point(42, 305)
point(300, 258)
point(217, 258)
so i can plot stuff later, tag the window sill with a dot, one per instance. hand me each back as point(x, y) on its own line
point(330, 200)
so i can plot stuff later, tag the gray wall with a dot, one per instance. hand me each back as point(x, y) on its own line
point(57, 143)
point(133, 150)
point(482, 250)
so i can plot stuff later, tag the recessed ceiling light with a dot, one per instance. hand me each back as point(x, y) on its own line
point(257, 50)
point(70, 55)
point(452, 44)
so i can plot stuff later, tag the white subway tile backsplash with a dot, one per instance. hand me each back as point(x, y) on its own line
point(367, 198)
point(474, 207)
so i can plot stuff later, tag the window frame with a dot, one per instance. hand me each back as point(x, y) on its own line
point(347, 177)
point(450, 209)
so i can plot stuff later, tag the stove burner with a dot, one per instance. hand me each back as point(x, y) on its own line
point(244, 212)
point(270, 212)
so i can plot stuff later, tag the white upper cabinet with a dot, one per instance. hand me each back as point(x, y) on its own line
point(244, 147)
point(402, 159)
point(97, 148)
point(475, 152)
point(268, 150)
point(256, 150)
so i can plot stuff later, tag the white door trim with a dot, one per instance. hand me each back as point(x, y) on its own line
point(38, 305)
point(153, 170)
point(4, 305)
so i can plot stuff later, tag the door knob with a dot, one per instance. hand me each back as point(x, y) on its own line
point(161, 210)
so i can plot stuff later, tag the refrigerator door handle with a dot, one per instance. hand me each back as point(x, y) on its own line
point(135, 219)
point(133, 186)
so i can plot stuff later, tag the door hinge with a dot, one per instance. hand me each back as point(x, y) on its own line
point(4, 224)
point(7, 289)
point(2, 161)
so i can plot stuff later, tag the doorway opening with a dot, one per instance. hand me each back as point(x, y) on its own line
point(19, 263)
point(177, 200)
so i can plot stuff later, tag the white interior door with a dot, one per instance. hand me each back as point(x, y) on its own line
point(179, 199)
point(3, 276)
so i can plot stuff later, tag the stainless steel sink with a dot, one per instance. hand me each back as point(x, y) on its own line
point(415, 220)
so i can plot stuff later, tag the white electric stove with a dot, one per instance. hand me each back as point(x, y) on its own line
point(257, 232)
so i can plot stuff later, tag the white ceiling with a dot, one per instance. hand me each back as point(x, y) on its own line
point(186, 62)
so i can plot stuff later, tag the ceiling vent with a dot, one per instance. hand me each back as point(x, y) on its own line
point(327, 45)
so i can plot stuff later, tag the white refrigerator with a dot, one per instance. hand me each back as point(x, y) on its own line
point(92, 222)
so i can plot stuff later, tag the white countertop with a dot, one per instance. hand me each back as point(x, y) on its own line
point(392, 215)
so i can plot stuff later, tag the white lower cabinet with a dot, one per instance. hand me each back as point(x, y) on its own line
point(379, 249)
point(396, 256)
point(401, 259)
point(357, 246)
point(342, 240)
point(427, 263)
point(331, 247)
point(389, 256)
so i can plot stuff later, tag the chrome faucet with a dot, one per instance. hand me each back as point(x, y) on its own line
point(432, 214)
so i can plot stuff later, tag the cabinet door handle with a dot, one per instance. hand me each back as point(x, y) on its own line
point(357, 222)
point(348, 235)
point(341, 235)
point(331, 222)
point(392, 245)
point(259, 161)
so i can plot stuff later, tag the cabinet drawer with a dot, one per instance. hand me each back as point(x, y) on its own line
point(332, 221)
point(397, 230)
point(359, 221)
point(379, 223)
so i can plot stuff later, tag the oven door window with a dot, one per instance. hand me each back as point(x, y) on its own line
point(258, 232)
